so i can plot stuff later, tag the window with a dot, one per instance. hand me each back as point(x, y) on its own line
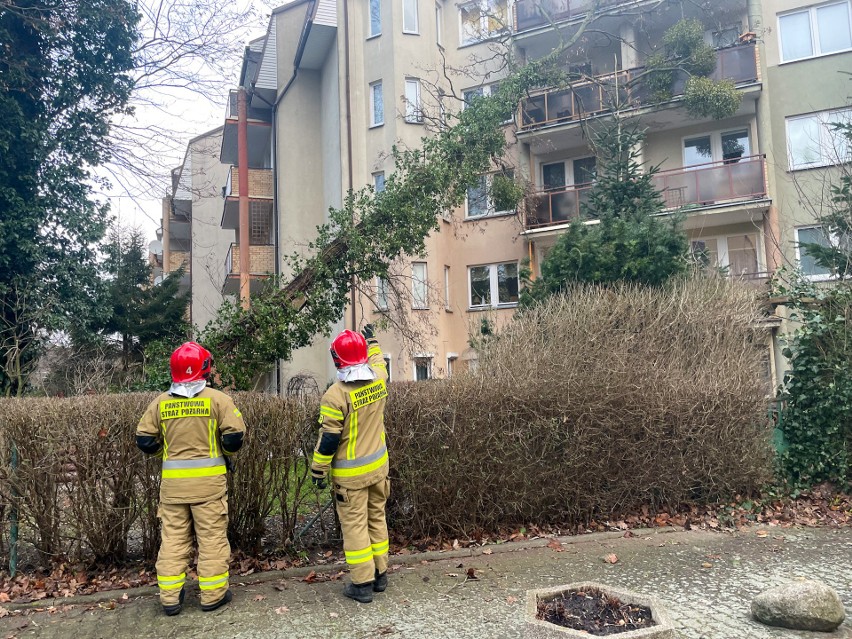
point(480, 201)
point(736, 254)
point(379, 181)
point(260, 222)
point(483, 19)
point(447, 287)
point(377, 107)
point(413, 109)
point(419, 286)
point(382, 291)
point(812, 140)
point(493, 285)
point(486, 90)
point(422, 368)
point(815, 31)
point(375, 17)
point(387, 359)
point(409, 16)
point(729, 147)
point(439, 19)
point(727, 36)
point(807, 263)
point(555, 176)
point(451, 363)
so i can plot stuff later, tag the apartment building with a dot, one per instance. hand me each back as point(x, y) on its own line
point(331, 86)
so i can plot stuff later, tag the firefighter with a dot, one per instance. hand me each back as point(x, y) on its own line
point(194, 429)
point(351, 450)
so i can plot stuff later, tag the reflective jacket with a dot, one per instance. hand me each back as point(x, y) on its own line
point(351, 442)
point(192, 434)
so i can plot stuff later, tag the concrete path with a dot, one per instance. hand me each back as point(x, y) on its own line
point(706, 581)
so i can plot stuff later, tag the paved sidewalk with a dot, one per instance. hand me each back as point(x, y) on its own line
point(426, 601)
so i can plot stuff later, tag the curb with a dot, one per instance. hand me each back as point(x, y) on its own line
point(394, 560)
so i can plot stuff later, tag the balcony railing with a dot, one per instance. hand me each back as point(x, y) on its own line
point(261, 260)
point(729, 181)
point(260, 183)
point(537, 13)
point(252, 113)
point(624, 89)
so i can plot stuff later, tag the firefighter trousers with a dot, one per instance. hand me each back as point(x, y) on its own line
point(365, 529)
point(209, 520)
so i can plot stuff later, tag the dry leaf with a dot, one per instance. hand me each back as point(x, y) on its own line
point(706, 564)
point(109, 605)
point(487, 551)
point(282, 610)
point(511, 600)
point(471, 574)
point(4, 597)
point(310, 578)
point(385, 630)
point(259, 597)
point(762, 533)
point(4, 612)
point(555, 545)
point(611, 558)
point(333, 615)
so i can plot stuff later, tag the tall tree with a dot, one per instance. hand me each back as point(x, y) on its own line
point(138, 313)
point(63, 77)
point(630, 243)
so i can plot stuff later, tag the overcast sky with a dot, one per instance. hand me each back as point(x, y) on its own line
point(179, 114)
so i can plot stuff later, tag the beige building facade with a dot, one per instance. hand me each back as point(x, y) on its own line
point(334, 84)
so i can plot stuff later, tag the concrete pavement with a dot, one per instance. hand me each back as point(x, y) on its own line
point(705, 580)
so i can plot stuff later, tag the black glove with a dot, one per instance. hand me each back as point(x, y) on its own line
point(319, 481)
point(368, 332)
point(229, 464)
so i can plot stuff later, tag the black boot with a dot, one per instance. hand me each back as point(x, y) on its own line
point(362, 593)
point(174, 609)
point(226, 598)
point(380, 583)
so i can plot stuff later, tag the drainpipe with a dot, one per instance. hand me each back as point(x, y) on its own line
point(349, 138)
point(242, 171)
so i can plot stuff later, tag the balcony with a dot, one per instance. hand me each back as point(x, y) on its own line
point(537, 13)
point(624, 88)
point(261, 266)
point(712, 184)
point(259, 183)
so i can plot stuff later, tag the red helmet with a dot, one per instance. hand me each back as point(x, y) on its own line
point(348, 349)
point(190, 362)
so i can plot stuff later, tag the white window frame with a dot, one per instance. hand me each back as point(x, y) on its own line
point(447, 306)
point(490, 209)
point(370, 18)
point(817, 277)
point(416, 29)
point(413, 104)
point(716, 150)
point(439, 25)
point(417, 303)
point(814, 30)
point(430, 363)
point(494, 283)
point(568, 163)
point(826, 141)
point(722, 253)
point(382, 290)
point(484, 10)
point(377, 176)
point(373, 121)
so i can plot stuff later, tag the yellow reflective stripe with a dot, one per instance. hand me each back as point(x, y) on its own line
point(353, 435)
point(168, 582)
point(184, 473)
point(331, 412)
point(322, 459)
point(360, 470)
point(381, 548)
point(374, 350)
point(214, 439)
point(358, 556)
point(165, 443)
point(212, 583)
point(382, 365)
point(237, 412)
